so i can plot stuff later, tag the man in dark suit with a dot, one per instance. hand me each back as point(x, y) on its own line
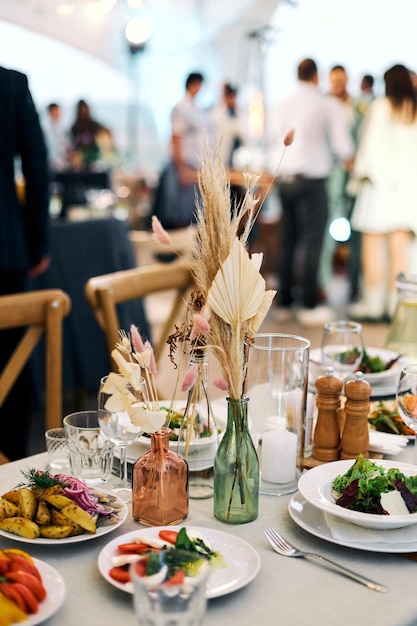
point(24, 232)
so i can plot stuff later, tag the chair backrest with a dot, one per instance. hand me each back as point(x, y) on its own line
point(41, 312)
point(105, 292)
point(147, 247)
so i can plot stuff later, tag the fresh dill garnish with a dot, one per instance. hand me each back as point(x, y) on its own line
point(39, 479)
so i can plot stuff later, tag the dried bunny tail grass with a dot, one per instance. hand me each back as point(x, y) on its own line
point(218, 219)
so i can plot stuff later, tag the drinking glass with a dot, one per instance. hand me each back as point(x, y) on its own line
point(161, 604)
point(342, 347)
point(119, 429)
point(407, 399)
point(277, 390)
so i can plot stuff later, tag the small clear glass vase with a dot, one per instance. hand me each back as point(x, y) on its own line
point(198, 437)
point(236, 469)
point(160, 484)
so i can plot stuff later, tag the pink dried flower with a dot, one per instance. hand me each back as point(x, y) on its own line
point(221, 384)
point(289, 137)
point(152, 362)
point(200, 325)
point(190, 377)
point(136, 339)
point(160, 233)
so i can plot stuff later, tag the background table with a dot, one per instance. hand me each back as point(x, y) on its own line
point(286, 591)
point(80, 250)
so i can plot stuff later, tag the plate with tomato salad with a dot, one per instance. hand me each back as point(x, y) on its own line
point(36, 589)
point(240, 561)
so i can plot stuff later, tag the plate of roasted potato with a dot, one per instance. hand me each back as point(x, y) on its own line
point(60, 512)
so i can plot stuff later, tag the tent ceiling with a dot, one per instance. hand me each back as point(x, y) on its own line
point(174, 23)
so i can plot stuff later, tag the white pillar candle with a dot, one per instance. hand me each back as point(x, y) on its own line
point(279, 456)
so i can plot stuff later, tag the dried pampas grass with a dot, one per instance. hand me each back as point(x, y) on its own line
point(230, 287)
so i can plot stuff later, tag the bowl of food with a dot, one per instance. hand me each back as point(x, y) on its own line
point(385, 418)
point(379, 366)
point(372, 494)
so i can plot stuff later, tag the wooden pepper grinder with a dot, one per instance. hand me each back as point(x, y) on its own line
point(355, 435)
point(326, 440)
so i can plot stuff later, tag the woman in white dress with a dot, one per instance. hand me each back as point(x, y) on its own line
point(386, 207)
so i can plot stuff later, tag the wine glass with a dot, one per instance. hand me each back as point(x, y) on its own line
point(342, 347)
point(407, 399)
point(119, 429)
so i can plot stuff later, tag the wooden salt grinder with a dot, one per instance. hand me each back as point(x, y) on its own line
point(326, 440)
point(355, 435)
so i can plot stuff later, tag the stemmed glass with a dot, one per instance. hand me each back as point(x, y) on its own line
point(342, 347)
point(407, 399)
point(118, 428)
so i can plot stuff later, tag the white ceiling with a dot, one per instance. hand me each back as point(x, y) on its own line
point(178, 25)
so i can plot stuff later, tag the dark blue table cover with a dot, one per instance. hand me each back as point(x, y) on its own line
point(80, 250)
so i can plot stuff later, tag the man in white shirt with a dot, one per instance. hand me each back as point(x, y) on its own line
point(229, 123)
point(174, 203)
point(57, 141)
point(321, 137)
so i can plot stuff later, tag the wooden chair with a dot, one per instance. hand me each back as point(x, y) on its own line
point(147, 248)
point(42, 312)
point(105, 292)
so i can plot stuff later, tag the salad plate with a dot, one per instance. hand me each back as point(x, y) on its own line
point(242, 560)
point(319, 524)
point(315, 486)
point(387, 379)
point(55, 588)
point(101, 530)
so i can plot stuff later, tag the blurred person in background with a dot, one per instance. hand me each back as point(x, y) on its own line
point(57, 140)
point(321, 135)
point(339, 202)
point(84, 131)
point(230, 126)
point(360, 110)
point(385, 210)
point(24, 235)
point(174, 201)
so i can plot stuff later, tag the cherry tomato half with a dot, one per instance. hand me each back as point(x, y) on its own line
point(177, 579)
point(120, 574)
point(168, 535)
point(133, 548)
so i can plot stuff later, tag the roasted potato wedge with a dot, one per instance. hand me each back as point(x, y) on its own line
point(58, 500)
point(8, 509)
point(79, 516)
point(62, 520)
point(43, 494)
point(53, 531)
point(12, 496)
point(43, 514)
point(21, 526)
point(28, 504)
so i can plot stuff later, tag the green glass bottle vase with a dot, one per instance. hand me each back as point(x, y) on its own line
point(236, 469)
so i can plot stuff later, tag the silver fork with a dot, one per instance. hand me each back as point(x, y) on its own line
point(281, 546)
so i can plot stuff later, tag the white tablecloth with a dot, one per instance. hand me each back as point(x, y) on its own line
point(286, 591)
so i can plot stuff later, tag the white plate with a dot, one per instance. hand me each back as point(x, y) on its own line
point(101, 530)
point(386, 443)
point(388, 378)
point(55, 588)
point(243, 562)
point(135, 450)
point(315, 486)
point(313, 521)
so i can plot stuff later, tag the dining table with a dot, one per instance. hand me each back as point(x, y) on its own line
point(285, 591)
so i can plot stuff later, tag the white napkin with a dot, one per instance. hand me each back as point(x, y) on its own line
point(386, 443)
point(342, 530)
